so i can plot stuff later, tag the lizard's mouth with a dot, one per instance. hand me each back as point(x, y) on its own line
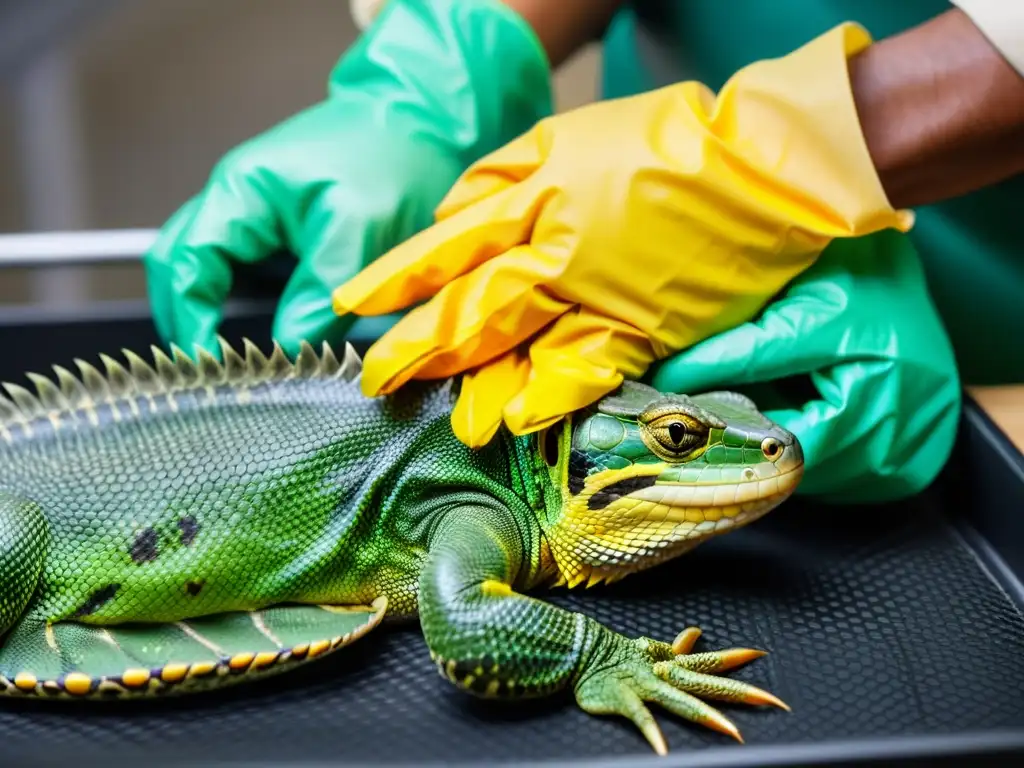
point(630, 523)
point(695, 512)
point(685, 501)
point(712, 507)
point(657, 491)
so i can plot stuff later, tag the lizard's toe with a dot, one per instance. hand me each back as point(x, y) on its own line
point(631, 672)
point(713, 687)
point(603, 697)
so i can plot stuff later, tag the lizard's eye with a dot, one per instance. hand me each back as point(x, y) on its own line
point(771, 448)
point(547, 440)
point(675, 435)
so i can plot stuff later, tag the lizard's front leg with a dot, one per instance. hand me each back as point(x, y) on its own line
point(494, 642)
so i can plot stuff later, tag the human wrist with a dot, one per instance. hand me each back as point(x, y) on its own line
point(794, 120)
point(564, 27)
point(942, 111)
point(476, 60)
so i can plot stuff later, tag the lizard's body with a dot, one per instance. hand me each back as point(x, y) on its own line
point(161, 530)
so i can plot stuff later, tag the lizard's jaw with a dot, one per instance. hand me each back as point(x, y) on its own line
point(628, 521)
point(710, 508)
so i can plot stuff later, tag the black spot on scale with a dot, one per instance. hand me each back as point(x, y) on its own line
point(97, 600)
point(194, 587)
point(189, 528)
point(579, 467)
point(144, 548)
point(615, 491)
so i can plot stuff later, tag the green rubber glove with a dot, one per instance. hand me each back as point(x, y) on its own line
point(881, 416)
point(425, 91)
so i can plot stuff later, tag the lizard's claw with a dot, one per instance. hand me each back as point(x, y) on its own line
point(624, 673)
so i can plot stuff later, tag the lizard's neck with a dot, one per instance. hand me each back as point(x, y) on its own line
point(543, 501)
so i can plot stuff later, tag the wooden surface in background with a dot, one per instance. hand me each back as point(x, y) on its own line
point(1005, 406)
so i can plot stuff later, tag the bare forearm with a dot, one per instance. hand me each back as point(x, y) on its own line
point(941, 109)
point(565, 26)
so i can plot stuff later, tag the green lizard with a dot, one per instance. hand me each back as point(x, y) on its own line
point(191, 523)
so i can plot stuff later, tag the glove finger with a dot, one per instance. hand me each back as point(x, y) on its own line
point(341, 232)
point(304, 310)
point(232, 221)
point(840, 460)
point(472, 320)
point(797, 335)
point(159, 270)
point(878, 430)
point(422, 265)
point(353, 218)
point(581, 358)
point(496, 172)
point(485, 392)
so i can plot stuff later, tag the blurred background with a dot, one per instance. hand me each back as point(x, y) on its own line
point(113, 113)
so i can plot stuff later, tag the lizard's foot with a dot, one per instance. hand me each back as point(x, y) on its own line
point(624, 673)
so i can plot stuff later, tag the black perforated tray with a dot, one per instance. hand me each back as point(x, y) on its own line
point(895, 633)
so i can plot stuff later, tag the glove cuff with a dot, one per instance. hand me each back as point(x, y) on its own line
point(474, 68)
point(795, 120)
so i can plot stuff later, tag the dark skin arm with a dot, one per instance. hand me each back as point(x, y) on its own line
point(565, 26)
point(941, 109)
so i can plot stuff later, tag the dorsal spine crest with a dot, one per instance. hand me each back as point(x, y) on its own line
point(168, 376)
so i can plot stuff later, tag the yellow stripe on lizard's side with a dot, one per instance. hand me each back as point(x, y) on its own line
point(177, 677)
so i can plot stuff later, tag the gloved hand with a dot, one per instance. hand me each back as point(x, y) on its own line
point(425, 91)
point(860, 324)
point(619, 233)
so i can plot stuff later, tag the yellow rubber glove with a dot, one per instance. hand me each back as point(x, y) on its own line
point(617, 234)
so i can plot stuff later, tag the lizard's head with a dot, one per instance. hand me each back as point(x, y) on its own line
point(644, 476)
